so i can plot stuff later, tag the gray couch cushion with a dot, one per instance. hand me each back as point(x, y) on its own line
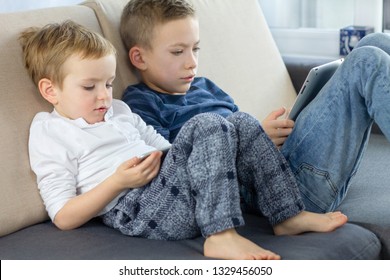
point(383, 233)
point(96, 241)
point(368, 199)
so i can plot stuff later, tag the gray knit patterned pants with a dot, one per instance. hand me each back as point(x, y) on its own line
point(197, 191)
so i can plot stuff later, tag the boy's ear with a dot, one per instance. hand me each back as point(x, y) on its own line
point(47, 90)
point(136, 58)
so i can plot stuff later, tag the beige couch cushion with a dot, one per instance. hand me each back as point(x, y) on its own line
point(20, 202)
point(109, 14)
point(237, 52)
point(240, 55)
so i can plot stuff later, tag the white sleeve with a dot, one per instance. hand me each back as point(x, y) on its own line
point(148, 133)
point(52, 162)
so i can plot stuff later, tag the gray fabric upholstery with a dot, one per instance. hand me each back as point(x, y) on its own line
point(96, 241)
point(368, 199)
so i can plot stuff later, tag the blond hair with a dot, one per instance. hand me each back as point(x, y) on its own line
point(140, 17)
point(46, 49)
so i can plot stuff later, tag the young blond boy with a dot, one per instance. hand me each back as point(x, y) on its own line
point(86, 155)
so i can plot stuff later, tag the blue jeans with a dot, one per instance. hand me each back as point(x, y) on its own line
point(330, 135)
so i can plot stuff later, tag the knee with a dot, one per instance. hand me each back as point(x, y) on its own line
point(379, 40)
point(368, 55)
point(210, 122)
point(244, 121)
point(207, 118)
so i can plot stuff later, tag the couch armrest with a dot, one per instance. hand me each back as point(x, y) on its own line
point(299, 66)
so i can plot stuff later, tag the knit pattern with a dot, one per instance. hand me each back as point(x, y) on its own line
point(198, 188)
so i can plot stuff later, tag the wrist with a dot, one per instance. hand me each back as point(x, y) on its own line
point(115, 183)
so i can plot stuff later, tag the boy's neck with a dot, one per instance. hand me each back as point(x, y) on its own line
point(163, 92)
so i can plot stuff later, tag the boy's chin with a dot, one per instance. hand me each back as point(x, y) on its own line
point(183, 90)
point(178, 91)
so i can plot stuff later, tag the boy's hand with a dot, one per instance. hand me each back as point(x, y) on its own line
point(137, 172)
point(277, 129)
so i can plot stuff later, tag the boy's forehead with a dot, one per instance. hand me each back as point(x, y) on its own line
point(77, 63)
point(176, 29)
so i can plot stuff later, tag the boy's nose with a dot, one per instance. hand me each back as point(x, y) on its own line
point(104, 93)
point(192, 61)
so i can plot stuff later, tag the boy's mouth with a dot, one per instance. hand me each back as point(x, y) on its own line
point(101, 109)
point(189, 78)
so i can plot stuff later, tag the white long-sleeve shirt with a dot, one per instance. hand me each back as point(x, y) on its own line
point(70, 157)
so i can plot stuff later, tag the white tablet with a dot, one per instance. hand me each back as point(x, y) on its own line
point(315, 80)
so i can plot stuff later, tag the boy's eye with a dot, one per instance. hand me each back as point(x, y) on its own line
point(89, 88)
point(178, 52)
point(196, 49)
point(108, 85)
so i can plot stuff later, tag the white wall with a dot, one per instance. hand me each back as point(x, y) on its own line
point(20, 5)
point(311, 27)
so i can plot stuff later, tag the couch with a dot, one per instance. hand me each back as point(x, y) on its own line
point(239, 54)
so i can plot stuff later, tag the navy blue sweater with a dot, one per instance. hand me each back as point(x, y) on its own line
point(167, 113)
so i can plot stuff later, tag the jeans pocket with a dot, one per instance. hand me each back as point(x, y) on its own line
point(317, 189)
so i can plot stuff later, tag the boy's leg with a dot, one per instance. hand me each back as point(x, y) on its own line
point(267, 183)
point(379, 40)
point(195, 191)
point(330, 135)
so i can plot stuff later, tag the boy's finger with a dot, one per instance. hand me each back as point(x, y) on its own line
point(147, 161)
point(132, 162)
point(276, 113)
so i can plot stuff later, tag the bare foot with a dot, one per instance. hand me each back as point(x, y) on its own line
point(229, 245)
point(309, 221)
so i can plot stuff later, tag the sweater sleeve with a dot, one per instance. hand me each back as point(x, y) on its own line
point(53, 163)
point(147, 132)
point(147, 106)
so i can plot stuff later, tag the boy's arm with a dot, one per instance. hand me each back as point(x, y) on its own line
point(277, 127)
point(149, 134)
point(57, 183)
point(56, 167)
point(133, 173)
point(146, 105)
point(154, 121)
